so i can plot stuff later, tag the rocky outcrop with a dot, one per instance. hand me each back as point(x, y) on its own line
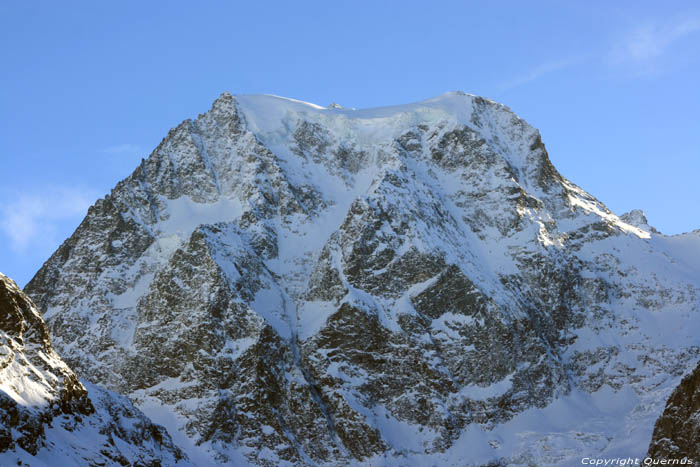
point(637, 218)
point(396, 286)
point(48, 416)
point(677, 431)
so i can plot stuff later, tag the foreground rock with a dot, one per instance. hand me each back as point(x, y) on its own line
point(677, 431)
point(412, 285)
point(48, 417)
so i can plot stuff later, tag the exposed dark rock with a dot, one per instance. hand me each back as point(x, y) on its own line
point(677, 431)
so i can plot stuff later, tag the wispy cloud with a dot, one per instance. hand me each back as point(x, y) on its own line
point(641, 49)
point(644, 45)
point(33, 219)
point(126, 148)
point(538, 72)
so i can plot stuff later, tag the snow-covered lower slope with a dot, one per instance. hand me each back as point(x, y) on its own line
point(49, 418)
point(285, 284)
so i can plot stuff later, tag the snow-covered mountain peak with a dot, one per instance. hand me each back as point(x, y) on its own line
point(449, 119)
point(266, 113)
point(328, 285)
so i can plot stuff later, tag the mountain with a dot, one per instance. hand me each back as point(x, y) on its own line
point(677, 431)
point(280, 283)
point(48, 417)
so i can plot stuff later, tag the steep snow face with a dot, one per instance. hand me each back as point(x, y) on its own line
point(48, 417)
point(285, 283)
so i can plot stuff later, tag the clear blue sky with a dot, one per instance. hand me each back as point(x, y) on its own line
point(89, 88)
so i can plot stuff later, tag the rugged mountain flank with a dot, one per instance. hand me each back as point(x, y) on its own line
point(284, 283)
point(48, 417)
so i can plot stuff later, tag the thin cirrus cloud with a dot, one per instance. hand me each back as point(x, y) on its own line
point(35, 219)
point(644, 45)
point(538, 72)
point(641, 49)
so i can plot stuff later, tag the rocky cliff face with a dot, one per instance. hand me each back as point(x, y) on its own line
point(677, 431)
point(48, 417)
point(284, 283)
